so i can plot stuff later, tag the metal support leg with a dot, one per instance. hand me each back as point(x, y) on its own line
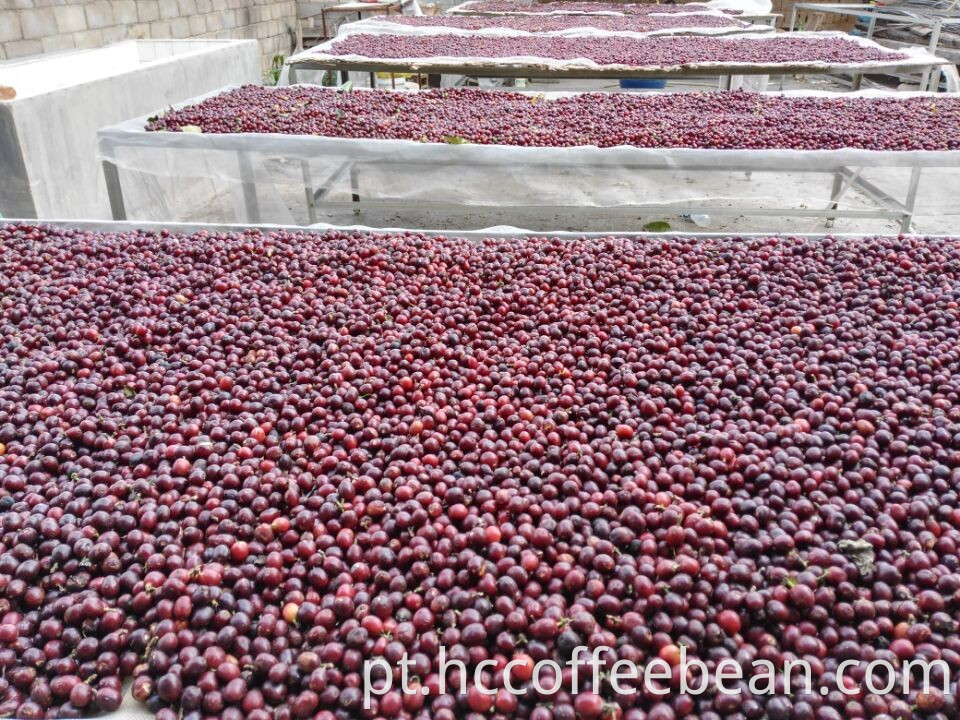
point(251, 204)
point(373, 81)
point(951, 78)
point(327, 187)
point(911, 200)
point(726, 82)
point(308, 191)
point(857, 80)
point(845, 179)
point(872, 25)
point(114, 190)
point(931, 75)
point(344, 77)
point(793, 19)
point(834, 197)
point(355, 188)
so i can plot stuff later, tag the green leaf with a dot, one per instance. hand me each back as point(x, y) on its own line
point(191, 129)
point(346, 87)
point(129, 392)
point(455, 140)
point(657, 226)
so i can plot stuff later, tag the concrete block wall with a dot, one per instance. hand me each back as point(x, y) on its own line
point(31, 27)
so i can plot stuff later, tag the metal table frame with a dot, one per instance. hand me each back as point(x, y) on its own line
point(308, 10)
point(930, 18)
point(500, 68)
point(726, 73)
point(367, 154)
point(378, 8)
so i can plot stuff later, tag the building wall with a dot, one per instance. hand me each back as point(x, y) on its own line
point(30, 27)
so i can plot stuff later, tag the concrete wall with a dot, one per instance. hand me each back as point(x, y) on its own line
point(30, 27)
point(49, 161)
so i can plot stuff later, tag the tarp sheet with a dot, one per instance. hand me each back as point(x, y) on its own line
point(325, 55)
point(186, 176)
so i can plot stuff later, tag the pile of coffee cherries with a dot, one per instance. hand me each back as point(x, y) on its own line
point(557, 23)
point(589, 8)
point(731, 120)
point(622, 51)
point(236, 467)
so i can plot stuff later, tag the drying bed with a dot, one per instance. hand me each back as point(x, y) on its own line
point(236, 465)
point(693, 23)
point(595, 53)
point(501, 7)
point(665, 52)
point(735, 120)
point(266, 150)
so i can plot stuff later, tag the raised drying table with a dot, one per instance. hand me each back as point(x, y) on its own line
point(480, 7)
point(453, 174)
point(309, 10)
point(498, 7)
point(705, 22)
point(933, 19)
point(460, 61)
point(702, 23)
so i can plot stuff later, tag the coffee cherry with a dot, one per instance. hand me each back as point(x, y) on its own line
point(730, 120)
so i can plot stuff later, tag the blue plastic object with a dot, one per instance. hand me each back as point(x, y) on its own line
point(643, 83)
